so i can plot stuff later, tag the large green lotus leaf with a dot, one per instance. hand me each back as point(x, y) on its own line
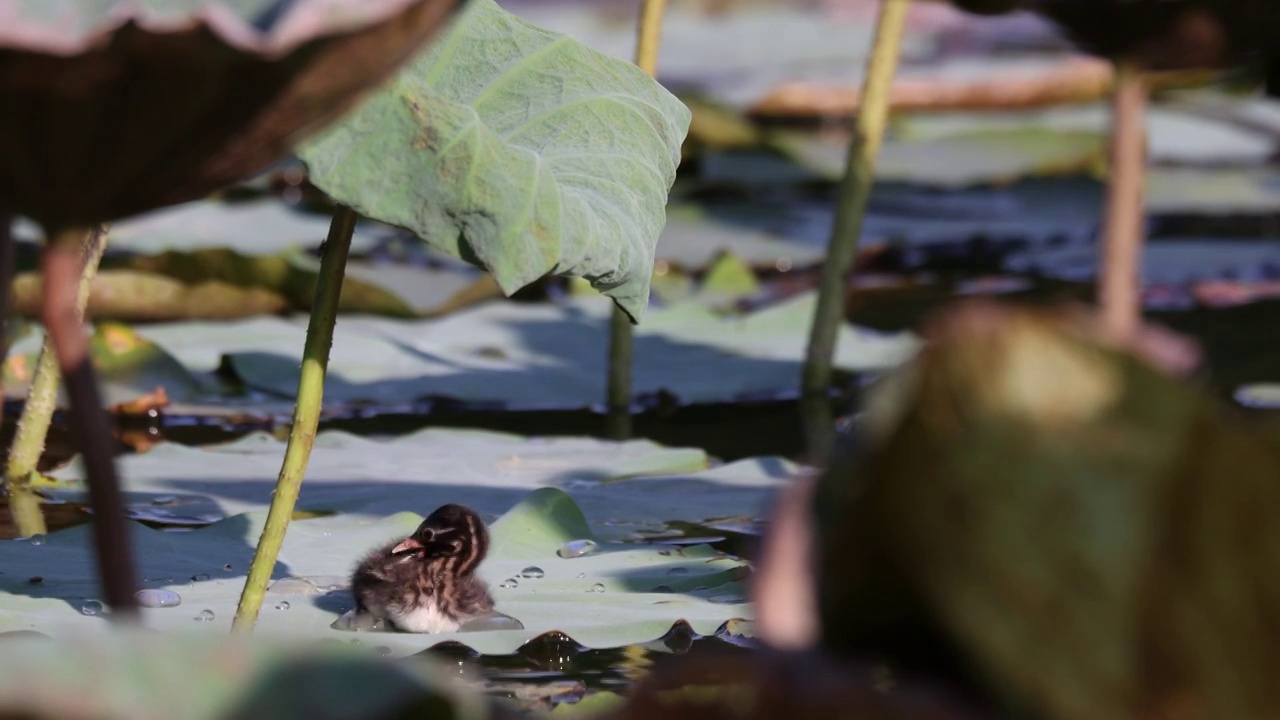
point(625, 488)
point(139, 675)
point(527, 355)
point(703, 587)
point(517, 149)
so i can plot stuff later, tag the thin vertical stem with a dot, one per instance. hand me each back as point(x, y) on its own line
point(6, 290)
point(1119, 277)
point(854, 192)
point(621, 334)
point(306, 417)
point(621, 344)
point(649, 35)
point(21, 520)
point(90, 425)
point(42, 398)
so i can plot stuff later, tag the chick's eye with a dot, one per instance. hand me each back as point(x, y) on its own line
point(427, 534)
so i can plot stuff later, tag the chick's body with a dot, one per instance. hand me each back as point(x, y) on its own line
point(427, 582)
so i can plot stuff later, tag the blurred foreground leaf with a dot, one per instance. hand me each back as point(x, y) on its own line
point(1096, 537)
point(110, 108)
point(141, 675)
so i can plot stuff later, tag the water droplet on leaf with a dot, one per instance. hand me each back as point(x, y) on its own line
point(153, 598)
point(358, 622)
point(36, 539)
point(492, 621)
point(205, 615)
point(199, 577)
point(597, 588)
point(532, 571)
point(283, 605)
point(577, 548)
point(91, 607)
point(227, 567)
point(509, 584)
point(581, 575)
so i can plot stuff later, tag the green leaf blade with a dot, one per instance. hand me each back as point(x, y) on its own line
point(519, 150)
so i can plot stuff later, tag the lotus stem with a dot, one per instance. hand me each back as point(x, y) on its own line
point(6, 285)
point(306, 417)
point(649, 35)
point(854, 192)
point(1119, 277)
point(62, 265)
point(42, 399)
point(621, 334)
point(6, 299)
point(621, 344)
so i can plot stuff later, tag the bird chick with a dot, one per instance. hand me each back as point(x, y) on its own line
point(426, 582)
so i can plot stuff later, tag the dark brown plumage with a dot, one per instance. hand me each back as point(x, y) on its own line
point(426, 582)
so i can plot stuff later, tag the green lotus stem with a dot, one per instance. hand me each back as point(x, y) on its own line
point(306, 417)
point(621, 334)
point(621, 342)
point(649, 35)
point(42, 398)
point(1119, 287)
point(854, 192)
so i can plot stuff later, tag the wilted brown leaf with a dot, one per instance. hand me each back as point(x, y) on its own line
point(144, 404)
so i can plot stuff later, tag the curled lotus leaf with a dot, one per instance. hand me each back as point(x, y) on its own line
point(108, 109)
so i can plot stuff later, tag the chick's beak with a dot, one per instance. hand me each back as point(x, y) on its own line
point(410, 544)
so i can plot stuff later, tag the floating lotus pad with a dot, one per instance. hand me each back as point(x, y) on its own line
point(518, 355)
point(137, 675)
point(627, 605)
point(623, 487)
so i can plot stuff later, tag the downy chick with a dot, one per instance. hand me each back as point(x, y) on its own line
point(427, 582)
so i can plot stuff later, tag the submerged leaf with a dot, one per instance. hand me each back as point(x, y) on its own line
point(519, 150)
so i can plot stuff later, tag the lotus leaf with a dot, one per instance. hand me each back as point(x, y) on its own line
point(108, 109)
point(517, 149)
point(138, 675)
point(519, 354)
point(608, 598)
point(624, 487)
